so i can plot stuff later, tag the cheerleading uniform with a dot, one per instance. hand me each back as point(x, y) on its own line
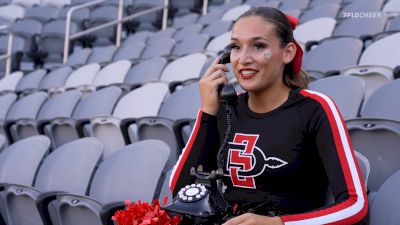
point(284, 160)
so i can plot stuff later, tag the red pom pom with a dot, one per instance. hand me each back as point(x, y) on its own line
point(142, 213)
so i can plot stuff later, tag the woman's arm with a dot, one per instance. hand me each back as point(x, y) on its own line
point(342, 170)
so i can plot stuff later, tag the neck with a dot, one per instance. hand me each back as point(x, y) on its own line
point(269, 99)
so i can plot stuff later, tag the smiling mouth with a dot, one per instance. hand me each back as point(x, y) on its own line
point(247, 74)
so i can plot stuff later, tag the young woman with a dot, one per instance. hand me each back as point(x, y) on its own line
point(289, 146)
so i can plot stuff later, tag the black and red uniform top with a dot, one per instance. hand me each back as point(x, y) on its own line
point(287, 159)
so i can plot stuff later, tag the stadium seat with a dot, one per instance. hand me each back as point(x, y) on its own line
point(19, 163)
point(131, 51)
point(211, 17)
point(307, 31)
point(391, 7)
point(42, 13)
point(384, 103)
point(67, 169)
point(146, 70)
point(218, 43)
point(191, 44)
point(329, 10)
point(365, 167)
point(101, 102)
point(345, 51)
point(363, 28)
point(217, 28)
point(184, 68)
point(113, 73)
point(82, 76)
point(159, 48)
point(233, 13)
point(102, 54)
point(314, 3)
point(299, 4)
point(135, 172)
point(349, 101)
point(55, 78)
point(140, 102)
point(168, 124)
point(161, 34)
point(100, 15)
point(263, 3)
point(30, 82)
point(186, 31)
point(393, 24)
point(21, 112)
point(377, 139)
point(183, 21)
point(387, 201)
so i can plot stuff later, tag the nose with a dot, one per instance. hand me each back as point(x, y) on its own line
point(245, 57)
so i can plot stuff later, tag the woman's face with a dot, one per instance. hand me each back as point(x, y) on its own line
point(252, 37)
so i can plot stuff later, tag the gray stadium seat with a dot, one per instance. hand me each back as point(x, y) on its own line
point(24, 109)
point(378, 140)
point(263, 3)
point(159, 48)
point(387, 201)
point(299, 4)
point(365, 167)
point(30, 82)
point(218, 43)
point(6, 101)
point(348, 101)
point(186, 31)
point(147, 70)
point(19, 163)
point(345, 51)
point(189, 45)
point(67, 169)
point(140, 102)
point(102, 54)
point(211, 17)
point(131, 51)
point(140, 36)
point(184, 7)
point(82, 76)
point(314, 3)
point(322, 10)
point(233, 13)
point(384, 102)
point(55, 78)
point(101, 102)
point(113, 73)
point(314, 30)
point(361, 28)
point(376, 53)
point(166, 126)
point(183, 21)
point(2, 142)
point(9, 83)
point(393, 24)
point(161, 34)
point(391, 7)
point(42, 13)
point(79, 57)
point(52, 39)
point(58, 106)
point(12, 11)
point(184, 68)
point(135, 172)
point(100, 15)
point(217, 28)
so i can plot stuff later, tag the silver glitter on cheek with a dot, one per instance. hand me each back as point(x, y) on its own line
point(268, 54)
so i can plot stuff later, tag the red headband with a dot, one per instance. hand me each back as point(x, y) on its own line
point(299, 53)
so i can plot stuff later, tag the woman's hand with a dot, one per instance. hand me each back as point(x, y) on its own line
point(209, 83)
point(253, 219)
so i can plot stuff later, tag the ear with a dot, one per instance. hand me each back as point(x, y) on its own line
point(289, 52)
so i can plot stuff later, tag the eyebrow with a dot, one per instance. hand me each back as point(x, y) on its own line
point(252, 39)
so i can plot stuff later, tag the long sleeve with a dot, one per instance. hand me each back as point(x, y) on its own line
point(201, 149)
point(341, 168)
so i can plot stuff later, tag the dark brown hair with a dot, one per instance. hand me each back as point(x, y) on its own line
point(284, 32)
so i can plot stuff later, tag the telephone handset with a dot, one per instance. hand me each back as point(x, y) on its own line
point(227, 92)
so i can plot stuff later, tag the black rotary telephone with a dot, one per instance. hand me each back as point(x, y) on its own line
point(203, 202)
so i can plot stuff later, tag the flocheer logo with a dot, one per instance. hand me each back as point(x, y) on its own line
point(246, 161)
point(361, 15)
